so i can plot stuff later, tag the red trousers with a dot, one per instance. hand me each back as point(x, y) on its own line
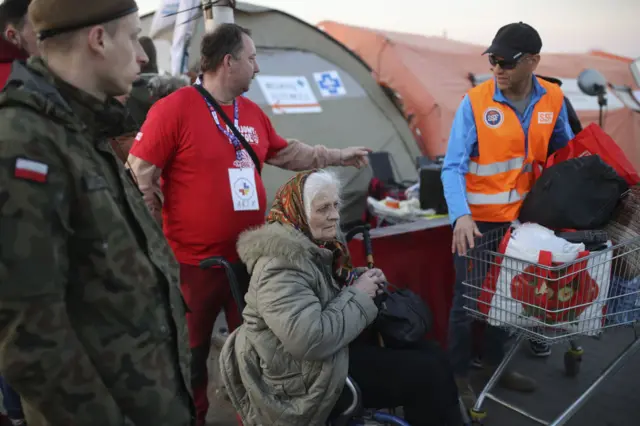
point(206, 292)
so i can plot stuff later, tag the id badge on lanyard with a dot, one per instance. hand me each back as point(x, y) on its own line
point(242, 181)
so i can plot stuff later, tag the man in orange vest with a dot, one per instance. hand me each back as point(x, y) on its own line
point(503, 128)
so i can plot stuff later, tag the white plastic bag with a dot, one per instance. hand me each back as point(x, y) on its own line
point(529, 239)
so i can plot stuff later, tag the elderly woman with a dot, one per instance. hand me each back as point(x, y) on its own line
point(287, 364)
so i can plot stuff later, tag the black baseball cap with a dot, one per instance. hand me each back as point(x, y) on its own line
point(514, 40)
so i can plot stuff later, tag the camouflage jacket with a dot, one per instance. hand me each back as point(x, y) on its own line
point(92, 321)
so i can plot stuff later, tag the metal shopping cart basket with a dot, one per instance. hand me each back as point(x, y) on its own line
point(551, 303)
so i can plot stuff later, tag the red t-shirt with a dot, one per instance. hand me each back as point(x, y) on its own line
point(180, 137)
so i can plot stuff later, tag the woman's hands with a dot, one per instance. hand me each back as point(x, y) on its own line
point(371, 282)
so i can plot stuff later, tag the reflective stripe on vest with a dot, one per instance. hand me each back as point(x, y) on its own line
point(501, 175)
point(495, 168)
point(508, 197)
point(500, 167)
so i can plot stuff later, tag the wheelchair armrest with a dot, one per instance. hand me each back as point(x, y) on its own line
point(357, 399)
point(210, 262)
point(236, 291)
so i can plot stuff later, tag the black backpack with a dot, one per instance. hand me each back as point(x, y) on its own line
point(580, 193)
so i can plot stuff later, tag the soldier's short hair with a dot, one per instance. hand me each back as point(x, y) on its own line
point(13, 12)
point(225, 40)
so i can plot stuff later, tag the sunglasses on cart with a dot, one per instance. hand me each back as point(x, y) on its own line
point(505, 64)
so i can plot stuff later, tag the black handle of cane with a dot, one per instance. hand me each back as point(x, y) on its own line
point(368, 248)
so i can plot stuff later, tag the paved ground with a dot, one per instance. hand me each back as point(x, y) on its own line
point(616, 403)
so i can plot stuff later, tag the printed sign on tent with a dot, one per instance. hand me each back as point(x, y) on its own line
point(330, 84)
point(288, 95)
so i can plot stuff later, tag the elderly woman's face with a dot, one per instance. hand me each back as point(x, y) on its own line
point(324, 215)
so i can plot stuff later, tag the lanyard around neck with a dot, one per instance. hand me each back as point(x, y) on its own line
point(224, 129)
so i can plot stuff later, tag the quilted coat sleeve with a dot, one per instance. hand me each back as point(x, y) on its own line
point(293, 311)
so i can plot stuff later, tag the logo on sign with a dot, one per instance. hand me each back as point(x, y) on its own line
point(545, 118)
point(243, 188)
point(493, 117)
point(330, 83)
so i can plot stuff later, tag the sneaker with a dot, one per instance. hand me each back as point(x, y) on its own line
point(540, 350)
point(477, 363)
point(467, 395)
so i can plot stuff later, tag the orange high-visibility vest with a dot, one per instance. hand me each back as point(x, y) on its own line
point(502, 174)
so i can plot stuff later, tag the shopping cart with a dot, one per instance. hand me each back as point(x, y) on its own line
point(551, 320)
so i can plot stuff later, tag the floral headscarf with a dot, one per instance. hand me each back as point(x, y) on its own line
point(288, 209)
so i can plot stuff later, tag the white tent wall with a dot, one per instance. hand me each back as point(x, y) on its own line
point(362, 115)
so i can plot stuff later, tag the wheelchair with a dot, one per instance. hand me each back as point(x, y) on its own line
point(355, 414)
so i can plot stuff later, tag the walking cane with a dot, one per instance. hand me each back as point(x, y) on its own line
point(368, 251)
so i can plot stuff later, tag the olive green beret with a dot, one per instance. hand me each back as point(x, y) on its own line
point(52, 17)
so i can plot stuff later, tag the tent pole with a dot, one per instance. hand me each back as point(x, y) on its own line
point(217, 12)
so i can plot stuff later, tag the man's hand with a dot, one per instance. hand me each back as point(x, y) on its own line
point(356, 156)
point(464, 235)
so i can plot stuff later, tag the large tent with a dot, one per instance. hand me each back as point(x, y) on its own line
point(432, 74)
point(316, 90)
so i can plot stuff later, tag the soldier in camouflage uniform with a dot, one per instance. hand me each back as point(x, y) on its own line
point(92, 328)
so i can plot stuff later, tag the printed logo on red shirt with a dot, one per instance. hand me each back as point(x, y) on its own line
point(250, 134)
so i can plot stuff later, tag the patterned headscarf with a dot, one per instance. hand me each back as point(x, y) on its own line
point(288, 209)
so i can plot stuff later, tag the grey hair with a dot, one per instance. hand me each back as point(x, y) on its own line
point(163, 85)
point(316, 183)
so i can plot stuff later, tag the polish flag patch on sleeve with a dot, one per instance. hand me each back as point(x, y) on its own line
point(31, 170)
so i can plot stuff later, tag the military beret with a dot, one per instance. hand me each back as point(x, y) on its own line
point(52, 17)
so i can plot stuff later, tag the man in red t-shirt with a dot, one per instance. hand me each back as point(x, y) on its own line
point(17, 40)
point(211, 187)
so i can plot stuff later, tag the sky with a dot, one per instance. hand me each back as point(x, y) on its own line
point(564, 25)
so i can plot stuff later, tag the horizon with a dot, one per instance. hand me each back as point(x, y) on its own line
point(593, 26)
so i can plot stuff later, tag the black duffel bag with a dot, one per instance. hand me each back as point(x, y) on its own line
point(403, 318)
point(580, 193)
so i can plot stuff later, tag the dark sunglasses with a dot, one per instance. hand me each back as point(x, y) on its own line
point(504, 63)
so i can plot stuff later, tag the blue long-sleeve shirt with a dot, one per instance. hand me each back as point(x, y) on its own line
point(463, 144)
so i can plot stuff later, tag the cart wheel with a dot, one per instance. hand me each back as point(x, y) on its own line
point(477, 417)
point(572, 361)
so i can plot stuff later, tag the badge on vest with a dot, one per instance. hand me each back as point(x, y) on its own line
point(545, 118)
point(493, 117)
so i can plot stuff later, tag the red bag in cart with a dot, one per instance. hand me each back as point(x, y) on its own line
point(593, 140)
point(540, 280)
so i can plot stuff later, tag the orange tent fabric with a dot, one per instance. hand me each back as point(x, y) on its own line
point(431, 75)
point(608, 55)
